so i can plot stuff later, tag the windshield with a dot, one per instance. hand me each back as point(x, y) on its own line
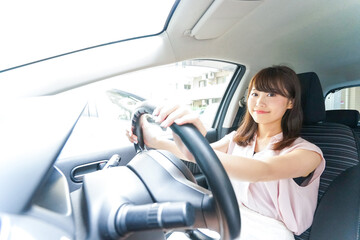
point(35, 30)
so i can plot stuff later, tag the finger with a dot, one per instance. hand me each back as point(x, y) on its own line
point(128, 132)
point(194, 119)
point(188, 118)
point(159, 107)
point(132, 138)
point(176, 114)
point(166, 111)
point(157, 110)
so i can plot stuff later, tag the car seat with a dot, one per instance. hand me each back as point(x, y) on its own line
point(338, 212)
point(349, 117)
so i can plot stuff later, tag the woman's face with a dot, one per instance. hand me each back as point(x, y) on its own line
point(266, 107)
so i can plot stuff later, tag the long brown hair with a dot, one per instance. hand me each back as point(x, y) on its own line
point(281, 80)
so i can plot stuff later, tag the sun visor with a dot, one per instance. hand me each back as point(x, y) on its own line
point(221, 16)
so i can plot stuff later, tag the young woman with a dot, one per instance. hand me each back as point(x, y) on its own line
point(274, 172)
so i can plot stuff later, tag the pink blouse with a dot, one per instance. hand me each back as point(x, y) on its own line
point(283, 199)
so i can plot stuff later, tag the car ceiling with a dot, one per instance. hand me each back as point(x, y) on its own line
point(321, 36)
point(312, 35)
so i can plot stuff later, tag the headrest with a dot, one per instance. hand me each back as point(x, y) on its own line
point(312, 98)
point(344, 116)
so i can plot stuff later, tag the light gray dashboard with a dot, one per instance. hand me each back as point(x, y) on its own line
point(48, 217)
point(32, 133)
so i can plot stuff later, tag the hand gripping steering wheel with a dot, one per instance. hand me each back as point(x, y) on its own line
point(210, 165)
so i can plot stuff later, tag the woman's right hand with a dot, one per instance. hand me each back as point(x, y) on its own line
point(168, 114)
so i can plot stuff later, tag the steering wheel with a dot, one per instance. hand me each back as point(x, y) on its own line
point(210, 165)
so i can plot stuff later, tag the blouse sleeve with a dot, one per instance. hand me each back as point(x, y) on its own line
point(301, 143)
point(231, 142)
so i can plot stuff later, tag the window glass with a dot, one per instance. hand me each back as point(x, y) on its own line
point(200, 84)
point(346, 98)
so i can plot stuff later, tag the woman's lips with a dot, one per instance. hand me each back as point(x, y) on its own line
point(260, 111)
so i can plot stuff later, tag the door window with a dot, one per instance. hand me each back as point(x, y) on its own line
point(346, 98)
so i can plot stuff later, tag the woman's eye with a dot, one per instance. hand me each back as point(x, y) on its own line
point(253, 94)
point(271, 94)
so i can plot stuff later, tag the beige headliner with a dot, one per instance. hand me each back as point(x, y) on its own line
point(321, 36)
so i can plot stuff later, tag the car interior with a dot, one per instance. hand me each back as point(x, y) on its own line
point(67, 172)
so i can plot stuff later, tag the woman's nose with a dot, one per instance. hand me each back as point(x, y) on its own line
point(260, 101)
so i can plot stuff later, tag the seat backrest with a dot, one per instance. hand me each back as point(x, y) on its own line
point(337, 215)
point(337, 141)
point(349, 117)
point(357, 131)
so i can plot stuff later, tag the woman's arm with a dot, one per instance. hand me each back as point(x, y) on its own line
point(220, 146)
point(298, 163)
point(179, 149)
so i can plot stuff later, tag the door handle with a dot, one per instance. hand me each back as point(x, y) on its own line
point(77, 173)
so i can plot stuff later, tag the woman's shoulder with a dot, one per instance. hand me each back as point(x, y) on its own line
point(230, 137)
point(301, 143)
point(233, 146)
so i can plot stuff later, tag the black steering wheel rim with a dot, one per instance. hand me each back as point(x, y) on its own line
point(208, 162)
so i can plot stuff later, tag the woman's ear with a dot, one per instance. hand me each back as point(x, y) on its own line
point(290, 104)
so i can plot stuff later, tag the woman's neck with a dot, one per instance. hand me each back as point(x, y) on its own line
point(264, 136)
point(264, 132)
